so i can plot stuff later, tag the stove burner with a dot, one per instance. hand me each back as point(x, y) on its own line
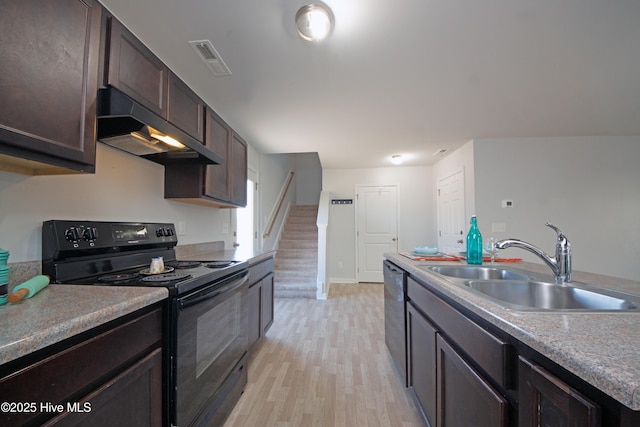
point(116, 279)
point(167, 277)
point(147, 272)
point(185, 264)
point(219, 264)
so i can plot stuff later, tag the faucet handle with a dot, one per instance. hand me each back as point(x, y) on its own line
point(562, 239)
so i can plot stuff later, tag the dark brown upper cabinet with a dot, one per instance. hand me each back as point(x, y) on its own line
point(135, 70)
point(218, 136)
point(238, 171)
point(186, 109)
point(49, 81)
point(139, 73)
point(223, 185)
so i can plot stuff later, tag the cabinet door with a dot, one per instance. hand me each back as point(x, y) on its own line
point(132, 398)
point(255, 307)
point(135, 70)
point(217, 139)
point(267, 303)
point(421, 362)
point(186, 109)
point(238, 172)
point(464, 397)
point(49, 81)
point(547, 401)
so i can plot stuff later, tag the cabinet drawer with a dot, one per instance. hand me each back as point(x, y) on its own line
point(258, 271)
point(70, 374)
point(132, 398)
point(489, 353)
point(463, 396)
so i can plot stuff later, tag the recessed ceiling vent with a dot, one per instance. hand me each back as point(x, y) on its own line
point(211, 57)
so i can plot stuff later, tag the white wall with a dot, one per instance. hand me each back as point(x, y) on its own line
point(308, 178)
point(460, 159)
point(417, 220)
point(124, 188)
point(589, 187)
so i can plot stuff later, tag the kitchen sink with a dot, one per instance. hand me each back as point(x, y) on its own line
point(543, 296)
point(482, 273)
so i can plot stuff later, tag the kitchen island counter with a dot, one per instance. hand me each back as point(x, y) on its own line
point(62, 311)
point(601, 348)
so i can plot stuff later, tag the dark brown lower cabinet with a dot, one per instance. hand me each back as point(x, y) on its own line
point(465, 398)
point(464, 371)
point(110, 375)
point(255, 302)
point(128, 399)
point(547, 401)
point(267, 302)
point(260, 299)
point(421, 361)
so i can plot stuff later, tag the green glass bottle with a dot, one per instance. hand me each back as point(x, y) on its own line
point(474, 243)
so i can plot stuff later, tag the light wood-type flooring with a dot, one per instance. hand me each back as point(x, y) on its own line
point(325, 363)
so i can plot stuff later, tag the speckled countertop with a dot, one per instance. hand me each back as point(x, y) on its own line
point(62, 311)
point(69, 310)
point(252, 256)
point(602, 348)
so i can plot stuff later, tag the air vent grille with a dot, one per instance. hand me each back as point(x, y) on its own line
point(211, 57)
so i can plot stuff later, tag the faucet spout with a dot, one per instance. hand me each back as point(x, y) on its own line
point(560, 264)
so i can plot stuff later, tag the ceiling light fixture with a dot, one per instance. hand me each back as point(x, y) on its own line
point(396, 159)
point(314, 21)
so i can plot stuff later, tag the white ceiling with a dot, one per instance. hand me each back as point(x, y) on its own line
point(404, 76)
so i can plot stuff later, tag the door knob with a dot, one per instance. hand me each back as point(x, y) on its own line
point(394, 239)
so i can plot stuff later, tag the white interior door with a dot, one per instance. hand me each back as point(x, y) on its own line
point(377, 229)
point(451, 217)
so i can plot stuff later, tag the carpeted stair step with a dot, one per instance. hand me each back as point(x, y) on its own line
point(296, 266)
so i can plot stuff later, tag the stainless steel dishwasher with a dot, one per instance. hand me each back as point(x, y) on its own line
point(395, 286)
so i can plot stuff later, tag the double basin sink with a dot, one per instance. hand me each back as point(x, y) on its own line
point(524, 291)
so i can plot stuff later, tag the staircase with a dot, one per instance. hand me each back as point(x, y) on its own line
point(296, 267)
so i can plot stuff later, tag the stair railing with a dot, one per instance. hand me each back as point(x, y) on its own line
point(280, 202)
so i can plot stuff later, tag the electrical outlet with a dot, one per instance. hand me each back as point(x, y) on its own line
point(507, 203)
point(182, 228)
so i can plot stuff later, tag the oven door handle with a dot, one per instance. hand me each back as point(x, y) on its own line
point(229, 287)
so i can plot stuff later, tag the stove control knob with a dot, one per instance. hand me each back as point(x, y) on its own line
point(168, 232)
point(160, 232)
point(90, 234)
point(72, 234)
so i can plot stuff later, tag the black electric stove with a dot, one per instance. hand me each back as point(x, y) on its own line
point(119, 253)
point(205, 334)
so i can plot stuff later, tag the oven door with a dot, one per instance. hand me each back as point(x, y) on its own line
point(211, 337)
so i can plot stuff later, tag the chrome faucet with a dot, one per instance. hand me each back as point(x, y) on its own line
point(561, 264)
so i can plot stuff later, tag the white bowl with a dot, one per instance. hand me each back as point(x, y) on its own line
point(426, 250)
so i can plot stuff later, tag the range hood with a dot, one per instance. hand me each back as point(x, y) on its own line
point(129, 126)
